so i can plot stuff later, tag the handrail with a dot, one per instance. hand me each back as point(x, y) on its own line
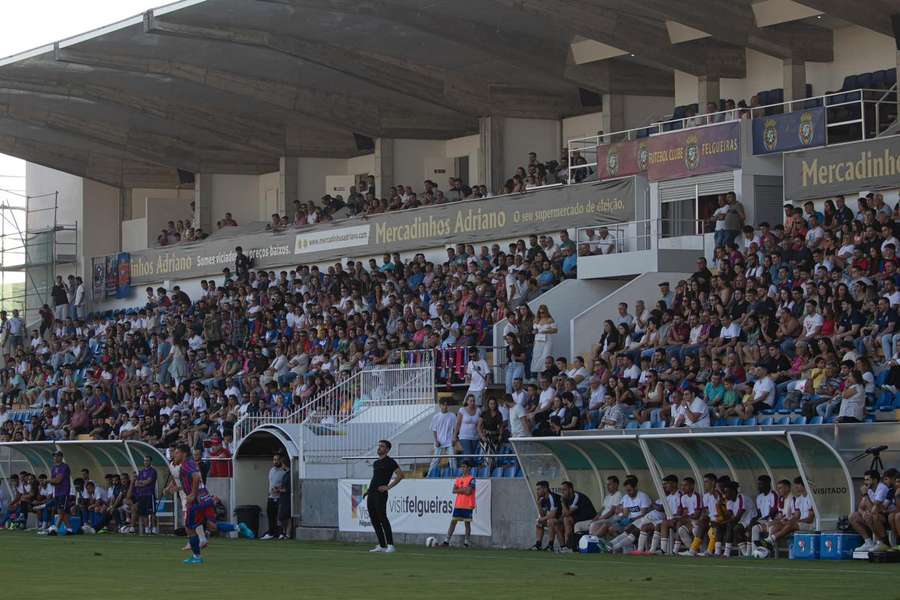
point(620, 232)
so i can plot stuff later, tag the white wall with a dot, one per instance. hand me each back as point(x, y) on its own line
point(521, 136)
point(139, 197)
point(410, 158)
point(268, 185)
point(469, 146)
point(135, 235)
point(160, 211)
point(237, 194)
point(312, 173)
point(358, 165)
point(581, 126)
point(764, 72)
point(643, 110)
point(686, 90)
point(856, 50)
point(101, 227)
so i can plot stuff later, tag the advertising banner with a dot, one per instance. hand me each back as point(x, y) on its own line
point(842, 169)
point(790, 131)
point(470, 221)
point(98, 277)
point(414, 506)
point(123, 280)
point(696, 151)
point(622, 159)
point(112, 276)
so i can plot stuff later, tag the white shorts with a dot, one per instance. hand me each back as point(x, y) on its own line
point(585, 526)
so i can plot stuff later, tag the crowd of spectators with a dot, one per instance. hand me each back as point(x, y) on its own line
point(798, 319)
point(258, 343)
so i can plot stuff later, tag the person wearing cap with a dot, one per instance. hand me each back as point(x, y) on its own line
point(464, 503)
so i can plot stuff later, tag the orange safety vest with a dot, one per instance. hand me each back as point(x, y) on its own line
point(464, 500)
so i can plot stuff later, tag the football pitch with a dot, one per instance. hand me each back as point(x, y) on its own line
point(100, 567)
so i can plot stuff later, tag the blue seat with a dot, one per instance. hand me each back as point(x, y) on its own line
point(864, 81)
point(659, 425)
point(776, 95)
point(483, 472)
point(870, 419)
point(783, 420)
point(816, 420)
point(763, 97)
point(646, 425)
point(509, 471)
point(631, 425)
point(830, 419)
point(767, 420)
point(434, 473)
point(890, 77)
point(749, 422)
point(720, 422)
point(518, 472)
point(497, 472)
point(733, 421)
point(850, 83)
point(445, 473)
point(798, 420)
point(881, 377)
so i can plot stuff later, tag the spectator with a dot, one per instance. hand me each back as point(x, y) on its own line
point(544, 327)
point(276, 476)
point(443, 424)
point(466, 432)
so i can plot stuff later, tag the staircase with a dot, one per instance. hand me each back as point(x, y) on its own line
point(348, 419)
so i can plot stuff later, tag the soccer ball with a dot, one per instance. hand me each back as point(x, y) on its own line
point(761, 552)
point(430, 542)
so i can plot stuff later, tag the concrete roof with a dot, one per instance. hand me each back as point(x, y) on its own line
point(229, 86)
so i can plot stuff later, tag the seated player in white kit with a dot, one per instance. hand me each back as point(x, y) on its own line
point(635, 506)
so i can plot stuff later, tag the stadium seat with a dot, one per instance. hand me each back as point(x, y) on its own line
point(783, 420)
point(763, 97)
point(659, 425)
point(446, 473)
point(749, 422)
point(518, 472)
point(720, 422)
point(509, 471)
point(864, 81)
point(830, 419)
point(483, 472)
point(798, 420)
point(881, 378)
point(497, 472)
point(870, 419)
point(631, 425)
point(816, 420)
point(733, 421)
point(890, 77)
point(646, 425)
point(434, 473)
point(850, 83)
point(766, 420)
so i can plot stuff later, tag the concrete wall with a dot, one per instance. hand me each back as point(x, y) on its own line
point(643, 110)
point(856, 50)
point(512, 515)
point(469, 146)
point(587, 326)
point(268, 187)
point(521, 136)
point(101, 226)
point(411, 158)
point(583, 125)
point(358, 165)
point(159, 211)
point(134, 235)
point(139, 197)
point(312, 173)
point(237, 194)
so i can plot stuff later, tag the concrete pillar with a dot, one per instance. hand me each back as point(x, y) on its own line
point(794, 79)
point(384, 166)
point(898, 79)
point(614, 111)
point(288, 184)
point(708, 91)
point(491, 168)
point(203, 217)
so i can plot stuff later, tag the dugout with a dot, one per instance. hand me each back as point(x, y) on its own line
point(588, 460)
point(100, 457)
point(252, 461)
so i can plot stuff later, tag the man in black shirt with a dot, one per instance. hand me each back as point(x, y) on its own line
point(60, 299)
point(386, 473)
point(577, 509)
point(549, 513)
point(241, 264)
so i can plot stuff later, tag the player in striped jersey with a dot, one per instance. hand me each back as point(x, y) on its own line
point(690, 522)
point(771, 508)
point(740, 511)
point(708, 519)
point(663, 530)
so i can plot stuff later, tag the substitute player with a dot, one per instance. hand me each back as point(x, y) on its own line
point(143, 509)
point(464, 505)
point(386, 473)
point(199, 502)
point(802, 515)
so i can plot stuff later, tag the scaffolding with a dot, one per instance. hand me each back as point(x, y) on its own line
point(36, 253)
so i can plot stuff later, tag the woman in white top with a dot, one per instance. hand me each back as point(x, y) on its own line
point(466, 432)
point(544, 327)
point(853, 399)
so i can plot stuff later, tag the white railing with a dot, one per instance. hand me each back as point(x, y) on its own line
point(855, 102)
point(371, 404)
point(634, 236)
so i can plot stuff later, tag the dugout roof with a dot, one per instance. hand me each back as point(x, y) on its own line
point(229, 86)
point(587, 461)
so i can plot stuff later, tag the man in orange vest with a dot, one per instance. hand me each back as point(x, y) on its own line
point(464, 506)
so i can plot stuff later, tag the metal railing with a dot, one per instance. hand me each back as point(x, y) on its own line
point(371, 404)
point(634, 236)
point(844, 110)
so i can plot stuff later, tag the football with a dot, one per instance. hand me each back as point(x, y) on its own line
point(761, 552)
point(430, 542)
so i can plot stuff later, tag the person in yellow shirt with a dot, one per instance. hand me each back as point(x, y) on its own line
point(464, 505)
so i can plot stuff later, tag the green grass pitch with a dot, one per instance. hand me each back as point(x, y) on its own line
point(112, 566)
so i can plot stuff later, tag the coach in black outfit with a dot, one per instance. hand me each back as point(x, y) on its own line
point(386, 474)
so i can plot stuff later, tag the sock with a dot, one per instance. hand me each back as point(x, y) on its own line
point(711, 546)
point(685, 535)
point(627, 540)
point(226, 527)
point(676, 547)
point(718, 549)
point(728, 550)
point(654, 545)
point(695, 544)
point(195, 545)
point(755, 533)
point(201, 534)
point(642, 542)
